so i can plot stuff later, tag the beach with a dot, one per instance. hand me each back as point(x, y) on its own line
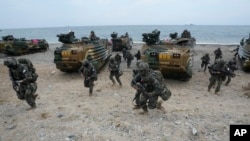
point(66, 112)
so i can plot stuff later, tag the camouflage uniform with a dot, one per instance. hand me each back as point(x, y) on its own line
point(129, 58)
point(205, 61)
point(124, 51)
point(218, 72)
point(218, 53)
point(232, 66)
point(114, 71)
point(92, 36)
point(148, 89)
point(138, 55)
point(118, 59)
point(89, 72)
point(22, 81)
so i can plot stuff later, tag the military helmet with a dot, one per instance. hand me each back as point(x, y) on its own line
point(85, 63)
point(112, 59)
point(10, 62)
point(143, 68)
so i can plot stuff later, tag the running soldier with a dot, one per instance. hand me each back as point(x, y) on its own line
point(89, 72)
point(149, 88)
point(114, 71)
point(205, 61)
point(23, 79)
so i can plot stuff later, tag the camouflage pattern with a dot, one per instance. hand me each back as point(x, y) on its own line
point(114, 71)
point(22, 81)
point(205, 60)
point(218, 71)
point(174, 57)
point(218, 53)
point(118, 58)
point(148, 87)
point(122, 42)
point(88, 70)
point(129, 58)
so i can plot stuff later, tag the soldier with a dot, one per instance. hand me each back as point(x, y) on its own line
point(118, 58)
point(129, 58)
point(92, 36)
point(23, 81)
point(232, 66)
point(138, 55)
point(218, 72)
point(89, 72)
point(148, 89)
point(124, 51)
point(218, 53)
point(114, 71)
point(205, 61)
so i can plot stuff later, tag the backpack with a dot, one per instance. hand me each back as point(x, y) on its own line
point(30, 67)
point(166, 93)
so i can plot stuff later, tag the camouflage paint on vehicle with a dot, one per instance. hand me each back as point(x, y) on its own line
point(13, 46)
point(70, 55)
point(173, 58)
point(118, 43)
point(244, 54)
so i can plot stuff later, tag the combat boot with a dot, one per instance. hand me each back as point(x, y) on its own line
point(35, 96)
point(145, 110)
point(136, 107)
point(159, 106)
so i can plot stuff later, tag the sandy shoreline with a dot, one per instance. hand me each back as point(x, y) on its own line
point(66, 112)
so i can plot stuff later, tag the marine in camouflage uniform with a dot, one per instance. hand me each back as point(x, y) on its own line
point(205, 61)
point(89, 72)
point(114, 71)
point(232, 66)
point(118, 58)
point(148, 89)
point(129, 58)
point(22, 81)
point(124, 51)
point(218, 72)
point(218, 53)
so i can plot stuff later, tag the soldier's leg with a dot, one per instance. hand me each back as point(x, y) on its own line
point(143, 103)
point(137, 100)
point(117, 77)
point(21, 92)
point(111, 77)
point(205, 67)
point(91, 87)
point(152, 103)
point(212, 81)
point(29, 97)
point(228, 80)
point(217, 89)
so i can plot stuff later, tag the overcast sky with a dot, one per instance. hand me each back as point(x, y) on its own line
point(53, 13)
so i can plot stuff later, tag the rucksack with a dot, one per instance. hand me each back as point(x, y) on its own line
point(30, 67)
point(166, 93)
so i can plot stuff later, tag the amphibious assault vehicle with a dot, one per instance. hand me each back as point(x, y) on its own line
point(19, 46)
point(244, 54)
point(172, 57)
point(73, 51)
point(118, 43)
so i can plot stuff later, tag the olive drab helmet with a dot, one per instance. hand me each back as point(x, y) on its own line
point(112, 59)
point(143, 69)
point(10, 62)
point(85, 63)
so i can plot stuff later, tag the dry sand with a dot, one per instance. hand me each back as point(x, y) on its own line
point(65, 111)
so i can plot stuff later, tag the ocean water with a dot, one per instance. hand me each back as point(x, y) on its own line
point(204, 34)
